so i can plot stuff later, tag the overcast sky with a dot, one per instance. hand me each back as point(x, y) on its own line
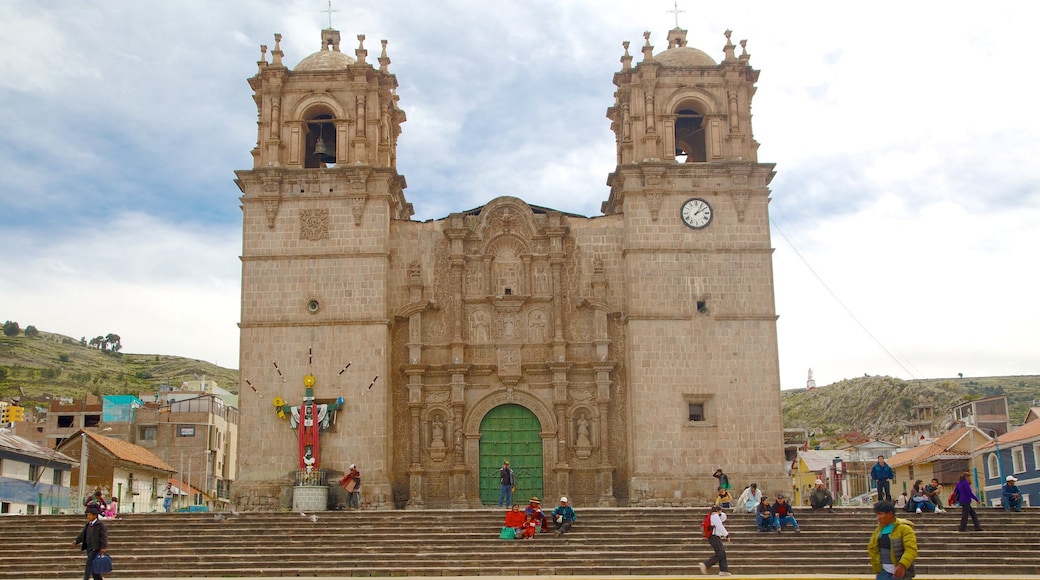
point(906, 211)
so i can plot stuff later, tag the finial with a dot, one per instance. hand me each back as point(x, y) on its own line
point(646, 36)
point(648, 50)
point(276, 54)
point(384, 60)
point(743, 50)
point(263, 55)
point(626, 60)
point(361, 52)
point(728, 49)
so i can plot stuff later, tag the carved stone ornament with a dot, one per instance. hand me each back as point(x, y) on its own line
point(653, 198)
point(740, 199)
point(314, 224)
point(271, 211)
point(357, 206)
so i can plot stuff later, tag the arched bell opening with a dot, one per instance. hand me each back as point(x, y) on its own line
point(321, 141)
point(690, 143)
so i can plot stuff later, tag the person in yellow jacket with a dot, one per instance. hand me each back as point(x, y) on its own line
point(893, 545)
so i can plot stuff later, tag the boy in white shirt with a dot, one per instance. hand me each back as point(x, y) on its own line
point(718, 535)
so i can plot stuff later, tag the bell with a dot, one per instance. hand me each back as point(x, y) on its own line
point(323, 154)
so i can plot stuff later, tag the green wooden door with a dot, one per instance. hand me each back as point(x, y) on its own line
point(510, 433)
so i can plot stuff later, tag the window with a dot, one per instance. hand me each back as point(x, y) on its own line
point(56, 476)
point(149, 433)
point(34, 472)
point(700, 409)
point(1018, 459)
point(185, 430)
point(1036, 456)
point(30, 510)
point(696, 412)
point(991, 464)
point(65, 421)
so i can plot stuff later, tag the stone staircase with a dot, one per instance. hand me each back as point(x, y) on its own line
point(605, 541)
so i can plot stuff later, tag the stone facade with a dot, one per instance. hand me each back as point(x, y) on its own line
point(637, 349)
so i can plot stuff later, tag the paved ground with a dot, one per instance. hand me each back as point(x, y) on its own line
point(735, 576)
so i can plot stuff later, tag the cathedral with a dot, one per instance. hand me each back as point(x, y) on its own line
point(617, 359)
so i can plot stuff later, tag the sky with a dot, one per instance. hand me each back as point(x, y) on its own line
point(905, 209)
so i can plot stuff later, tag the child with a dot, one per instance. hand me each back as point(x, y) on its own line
point(724, 499)
point(530, 527)
point(112, 509)
point(902, 501)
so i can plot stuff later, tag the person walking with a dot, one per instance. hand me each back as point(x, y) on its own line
point(719, 534)
point(882, 474)
point(507, 479)
point(93, 540)
point(167, 501)
point(353, 487)
point(893, 545)
point(964, 496)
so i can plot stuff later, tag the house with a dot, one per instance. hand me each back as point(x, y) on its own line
point(818, 464)
point(1014, 453)
point(945, 459)
point(118, 469)
point(33, 478)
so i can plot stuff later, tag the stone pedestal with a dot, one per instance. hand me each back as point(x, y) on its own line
point(310, 498)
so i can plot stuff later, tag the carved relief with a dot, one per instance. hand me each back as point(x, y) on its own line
point(508, 361)
point(474, 278)
point(271, 211)
point(537, 327)
point(740, 200)
point(541, 280)
point(480, 327)
point(357, 207)
point(314, 224)
point(653, 199)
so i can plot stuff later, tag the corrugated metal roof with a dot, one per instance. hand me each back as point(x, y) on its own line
point(22, 446)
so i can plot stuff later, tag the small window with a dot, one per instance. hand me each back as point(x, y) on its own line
point(1036, 456)
point(700, 409)
point(34, 471)
point(149, 433)
point(57, 476)
point(185, 430)
point(991, 464)
point(1018, 459)
point(65, 421)
point(696, 411)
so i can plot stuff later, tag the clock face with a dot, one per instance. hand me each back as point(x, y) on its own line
point(696, 213)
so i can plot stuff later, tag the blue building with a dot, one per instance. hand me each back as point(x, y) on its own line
point(33, 479)
point(1017, 453)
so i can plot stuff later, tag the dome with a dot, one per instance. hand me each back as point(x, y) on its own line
point(684, 56)
point(325, 60)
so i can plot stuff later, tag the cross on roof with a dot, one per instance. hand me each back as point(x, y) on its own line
point(675, 11)
point(330, 10)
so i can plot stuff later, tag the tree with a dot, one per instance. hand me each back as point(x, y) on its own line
point(11, 328)
point(31, 332)
point(113, 341)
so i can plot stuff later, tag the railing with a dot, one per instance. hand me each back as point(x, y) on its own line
point(314, 477)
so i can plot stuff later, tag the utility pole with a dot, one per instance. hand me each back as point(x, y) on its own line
point(83, 465)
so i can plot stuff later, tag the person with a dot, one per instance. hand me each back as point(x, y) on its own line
point(749, 499)
point(507, 479)
point(719, 534)
point(920, 498)
point(96, 500)
point(784, 514)
point(964, 496)
point(893, 545)
point(563, 517)
point(903, 502)
point(882, 474)
point(1010, 495)
point(93, 540)
point(515, 519)
point(354, 494)
point(529, 528)
point(821, 497)
point(934, 492)
point(765, 520)
point(534, 509)
point(724, 500)
point(722, 477)
point(167, 501)
point(112, 510)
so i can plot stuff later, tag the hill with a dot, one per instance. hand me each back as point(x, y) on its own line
point(877, 406)
point(51, 365)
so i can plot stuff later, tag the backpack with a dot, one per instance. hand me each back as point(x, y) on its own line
point(706, 527)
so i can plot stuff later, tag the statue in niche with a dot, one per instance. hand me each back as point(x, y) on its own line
point(459, 454)
point(473, 279)
point(537, 322)
point(509, 328)
point(541, 281)
point(583, 432)
point(437, 441)
point(479, 322)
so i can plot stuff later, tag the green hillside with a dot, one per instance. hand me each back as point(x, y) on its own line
point(877, 406)
point(34, 370)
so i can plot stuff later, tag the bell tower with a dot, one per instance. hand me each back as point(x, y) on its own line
point(317, 207)
point(700, 318)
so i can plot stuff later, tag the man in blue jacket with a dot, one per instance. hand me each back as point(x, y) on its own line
point(1010, 495)
point(882, 473)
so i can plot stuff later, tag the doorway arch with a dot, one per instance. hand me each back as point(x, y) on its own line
point(510, 432)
